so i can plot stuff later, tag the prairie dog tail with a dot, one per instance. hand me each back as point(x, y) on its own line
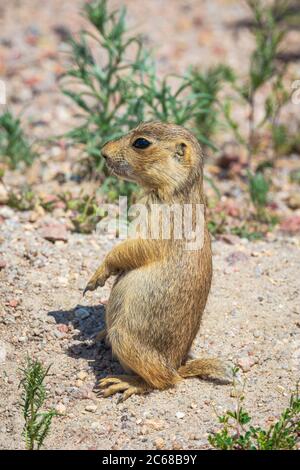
point(207, 368)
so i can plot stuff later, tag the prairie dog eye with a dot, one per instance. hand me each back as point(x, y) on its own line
point(141, 143)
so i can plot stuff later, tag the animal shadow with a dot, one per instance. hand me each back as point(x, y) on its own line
point(87, 322)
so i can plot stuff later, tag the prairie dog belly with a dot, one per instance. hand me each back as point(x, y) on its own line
point(150, 303)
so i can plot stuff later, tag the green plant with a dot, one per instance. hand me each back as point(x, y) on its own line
point(183, 105)
point(121, 89)
point(209, 83)
point(259, 188)
point(108, 88)
point(37, 423)
point(14, 145)
point(123, 188)
point(269, 33)
point(238, 434)
point(85, 211)
point(245, 231)
point(23, 200)
point(216, 223)
point(294, 176)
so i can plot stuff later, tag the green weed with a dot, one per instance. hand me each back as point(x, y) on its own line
point(37, 423)
point(237, 432)
point(14, 145)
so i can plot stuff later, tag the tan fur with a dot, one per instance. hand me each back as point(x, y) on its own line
point(156, 304)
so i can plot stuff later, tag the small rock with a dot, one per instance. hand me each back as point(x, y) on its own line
point(235, 257)
point(229, 239)
point(234, 313)
point(54, 232)
point(6, 212)
point(82, 375)
point(91, 408)
point(2, 263)
point(22, 339)
point(13, 303)
point(293, 201)
point(194, 437)
point(82, 313)
point(258, 271)
point(155, 424)
point(245, 363)
point(59, 334)
point(60, 408)
point(159, 443)
point(33, 217)
point(62, 328)
point(2, 352)
point(95, 426)
point(180, 415)
point(291, 224)
point(280, 389)
point(176, 445)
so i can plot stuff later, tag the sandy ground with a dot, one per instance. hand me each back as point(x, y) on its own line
point(252, 318)
point(253, 314)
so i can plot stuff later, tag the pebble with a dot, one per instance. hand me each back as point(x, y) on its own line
point(54, 232)
point(280, 389)
point(235, 257)
point(180, 415)
point(2, 352)
point(176, 445)
point(22, 339)
point(229, 239)
point(62, 328)
point(96, 426)
point(293, 201)
point(155, 424)
point(6, 212)
point(234, 313)
point(81, 313)
point(194, 437)
point(2, 263)
point(159, 443)
point(291, 224)
point(60, 408)
point(91, 408)
point(245, 363)
point(59, 334)
point(82, 375)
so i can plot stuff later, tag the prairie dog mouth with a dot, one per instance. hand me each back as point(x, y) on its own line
point(120, 168)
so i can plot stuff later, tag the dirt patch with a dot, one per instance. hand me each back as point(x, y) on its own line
point(252, 318)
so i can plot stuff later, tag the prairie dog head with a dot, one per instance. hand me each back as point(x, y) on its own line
point(158, 156)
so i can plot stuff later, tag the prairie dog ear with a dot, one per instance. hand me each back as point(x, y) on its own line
point(181, 151)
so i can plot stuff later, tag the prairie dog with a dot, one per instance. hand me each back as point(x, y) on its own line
point(156, 304)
